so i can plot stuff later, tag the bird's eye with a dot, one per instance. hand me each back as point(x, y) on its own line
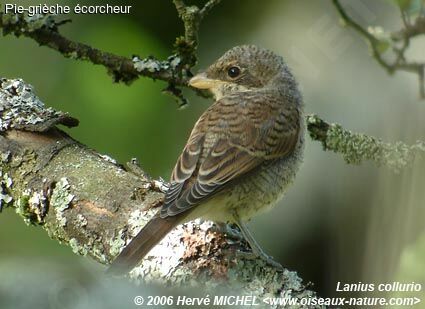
point(233, 72)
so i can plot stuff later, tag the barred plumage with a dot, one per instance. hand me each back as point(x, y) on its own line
point(242, 152)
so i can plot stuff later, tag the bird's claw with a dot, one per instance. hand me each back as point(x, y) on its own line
point(227, 230)
point(264, 257)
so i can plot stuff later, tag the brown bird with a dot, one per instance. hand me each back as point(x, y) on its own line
point(242, 154)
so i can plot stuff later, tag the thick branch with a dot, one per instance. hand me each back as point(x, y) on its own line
point(379, 45)
point(95, 206)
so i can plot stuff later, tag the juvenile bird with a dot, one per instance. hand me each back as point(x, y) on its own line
point(242, 154)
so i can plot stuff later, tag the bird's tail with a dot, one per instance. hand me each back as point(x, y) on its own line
point(151, 234)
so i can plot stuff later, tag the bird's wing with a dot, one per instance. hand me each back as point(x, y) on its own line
point(232, 138)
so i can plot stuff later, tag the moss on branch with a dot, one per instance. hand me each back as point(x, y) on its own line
point(356, 147)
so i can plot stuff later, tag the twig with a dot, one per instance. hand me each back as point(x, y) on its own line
point(208, 6)
point(357, 148)
point(122, 69)
point(400, 63)
point(191, 17)
point(175, 70)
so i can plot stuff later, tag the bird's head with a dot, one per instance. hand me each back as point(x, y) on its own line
point(245, 68)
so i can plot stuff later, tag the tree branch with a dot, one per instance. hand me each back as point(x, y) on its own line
point(380, 41)
point(94, 205)
point(356, 147)
point(44, 30)
point(192, 17)
point(175, 70)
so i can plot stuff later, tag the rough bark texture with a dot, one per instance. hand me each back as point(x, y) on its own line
point(95, 206)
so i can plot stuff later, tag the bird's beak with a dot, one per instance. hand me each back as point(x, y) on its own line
point(201, 81)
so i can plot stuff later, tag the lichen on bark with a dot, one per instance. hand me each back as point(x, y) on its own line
point(356, 147)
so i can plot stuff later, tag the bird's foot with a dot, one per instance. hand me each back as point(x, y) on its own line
point(257, 252)
point(263, 256)
point(227, 230)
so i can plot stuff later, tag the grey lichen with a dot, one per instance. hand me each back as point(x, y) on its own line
point(356, 147)
point(61, 199)
point(5, 186)
point(136, 220)
point(91, 246)
point(81, 221)
point(37, 207)
point(161, 185)
point(9, 19)
point(270, 284)
point(151, 64)
point(117, 243)
point(77, 248)
point(98, 251)
point(20, 108)
point(147, 64)
point(72, 55)
point(191, 255)
point(161, 263)
point(5, 156)
point(38, 21)
point(28, 23)
point(174, 61)
point(108, 158)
